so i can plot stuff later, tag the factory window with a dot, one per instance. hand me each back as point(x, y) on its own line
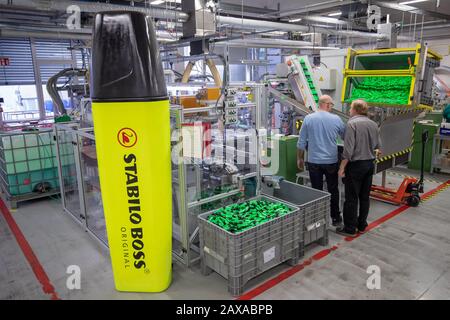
point(25, 96)
point(17, 82)
point(20, 102)
point(52, 56)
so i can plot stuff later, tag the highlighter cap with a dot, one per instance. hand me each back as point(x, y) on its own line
point(125, 59)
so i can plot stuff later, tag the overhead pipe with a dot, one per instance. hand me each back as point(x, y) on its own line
point(272, 43)
point(324, 20)
point(262, 24)
point(178, 15)
point(315, 7)
point(83, 31)
point(440, 26)
point(43, 34)
point(31, 23)
point(57, 33)
point(95, 7)
point(172, 14)
point(434, 22)
point(265, 41)
point(52, 87)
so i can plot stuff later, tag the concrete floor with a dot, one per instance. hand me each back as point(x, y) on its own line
point(412, 251)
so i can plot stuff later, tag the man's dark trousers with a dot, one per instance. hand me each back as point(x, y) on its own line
point(316, 173)
point(358, 181)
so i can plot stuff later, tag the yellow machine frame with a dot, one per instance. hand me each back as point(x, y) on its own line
point(412, 71)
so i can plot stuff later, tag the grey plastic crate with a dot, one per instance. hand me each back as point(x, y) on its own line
point(314, 207)
point(242, 256)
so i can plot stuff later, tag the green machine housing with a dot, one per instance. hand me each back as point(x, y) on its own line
point(286, 151)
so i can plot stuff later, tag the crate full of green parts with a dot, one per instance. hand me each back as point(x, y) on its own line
point(243, 240)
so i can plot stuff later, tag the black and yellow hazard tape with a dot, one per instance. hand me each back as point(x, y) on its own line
point(393, 155)
point(444, 187)
point(404, 111)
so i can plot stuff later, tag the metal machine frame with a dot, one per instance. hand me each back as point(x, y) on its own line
point(416, 71)
point(303, 83)
point(76, 134)
point(189, 252)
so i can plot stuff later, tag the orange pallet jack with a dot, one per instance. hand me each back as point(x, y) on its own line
point(409, 190)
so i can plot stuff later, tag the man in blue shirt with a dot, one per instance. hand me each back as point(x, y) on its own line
point(318, 136)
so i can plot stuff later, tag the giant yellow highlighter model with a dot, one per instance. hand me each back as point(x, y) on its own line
point(132, 133)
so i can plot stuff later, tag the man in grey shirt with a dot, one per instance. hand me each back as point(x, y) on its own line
point(361, 147)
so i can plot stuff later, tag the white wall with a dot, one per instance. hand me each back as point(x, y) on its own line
point(441, 46)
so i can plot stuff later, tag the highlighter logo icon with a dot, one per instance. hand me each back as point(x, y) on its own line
point(127, 137)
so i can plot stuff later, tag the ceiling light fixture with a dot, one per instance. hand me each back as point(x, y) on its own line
point(295, 20)
point(156, 2)
point(335, 14)
point(411, 2)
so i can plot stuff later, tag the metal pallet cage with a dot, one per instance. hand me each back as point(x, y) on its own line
point(28, 167)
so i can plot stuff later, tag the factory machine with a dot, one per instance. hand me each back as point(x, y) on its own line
point(289, 97)
point(214, 155)
point(397, 83)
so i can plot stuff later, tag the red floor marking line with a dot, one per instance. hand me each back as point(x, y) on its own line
point(28, 253)
point(322, 254)
point(288, 273)
point(381, 220)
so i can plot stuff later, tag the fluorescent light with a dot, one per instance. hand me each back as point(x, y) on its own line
point(335, 14)
point(295, 20)
point(413, 1)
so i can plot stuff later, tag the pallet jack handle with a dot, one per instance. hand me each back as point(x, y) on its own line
point(422, 160)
